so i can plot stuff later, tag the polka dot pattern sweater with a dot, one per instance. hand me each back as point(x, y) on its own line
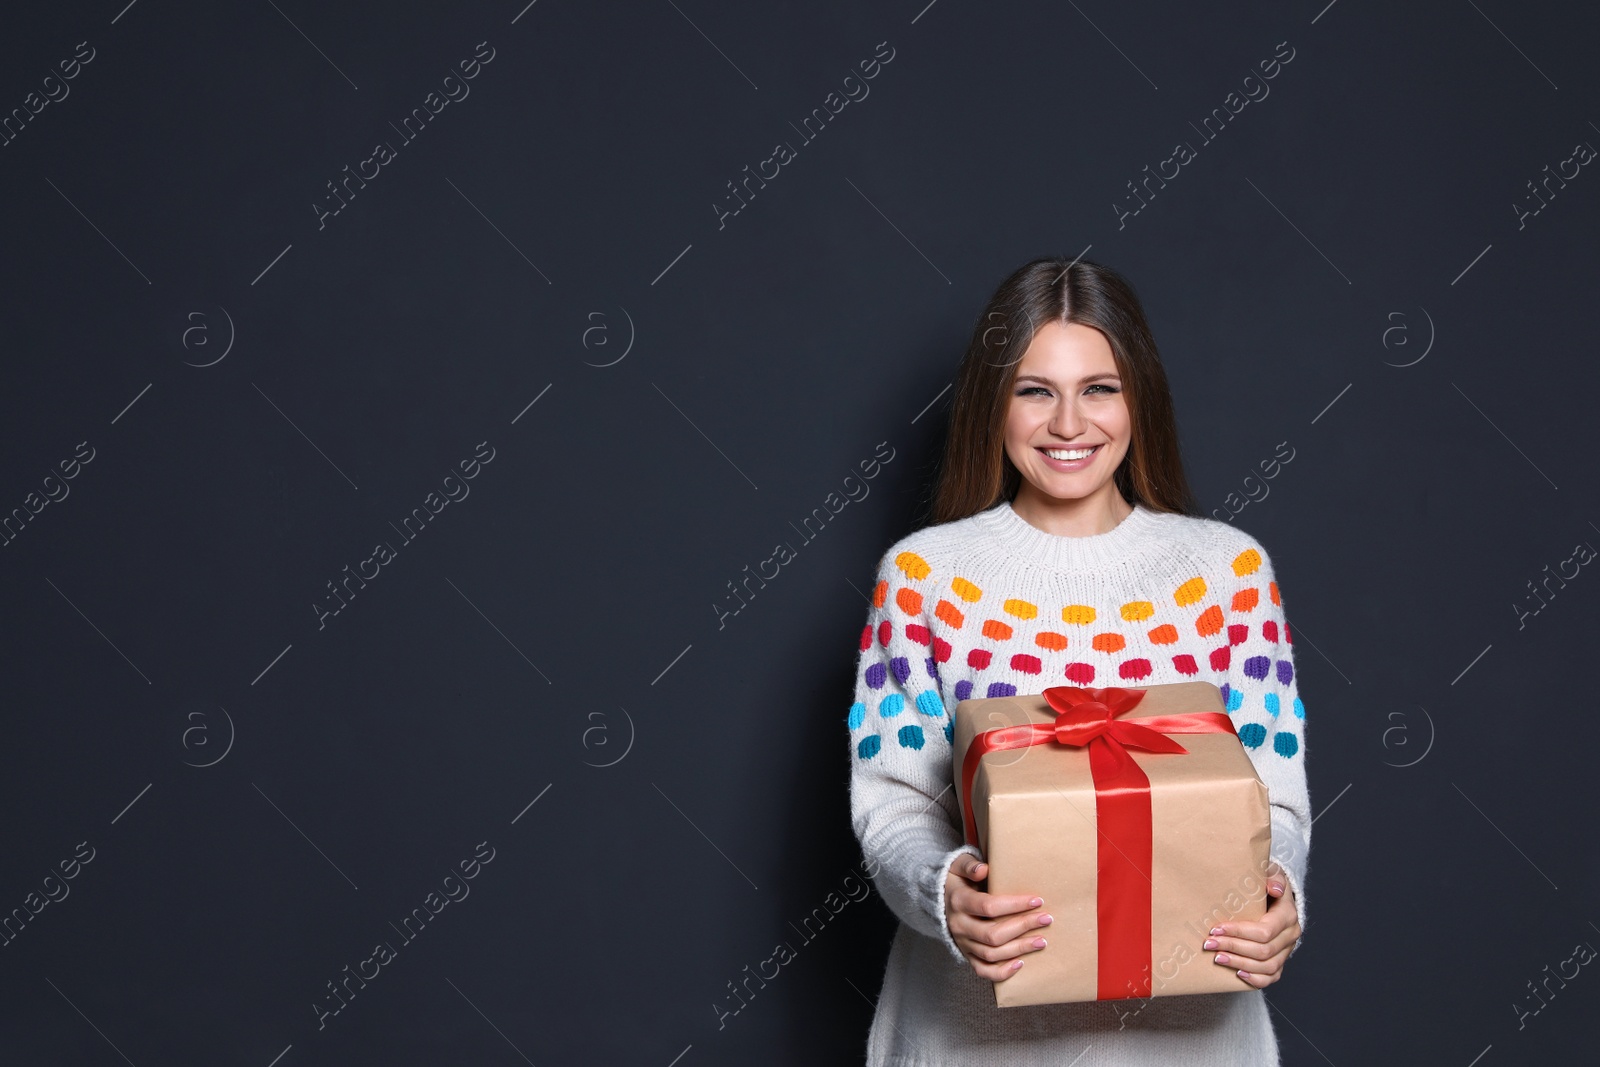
point(992, 606)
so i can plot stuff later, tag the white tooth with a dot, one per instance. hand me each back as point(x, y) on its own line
point(1068, 454)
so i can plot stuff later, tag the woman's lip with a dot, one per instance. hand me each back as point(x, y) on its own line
point(1069, 465)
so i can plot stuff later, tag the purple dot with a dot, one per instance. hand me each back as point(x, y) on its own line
point(1285, 671)
point(1226, 689)
point(933, 669)
point(1001, 689)
point(902, 669)
point(1256, 667)
point(963, 690)
point(876, 674)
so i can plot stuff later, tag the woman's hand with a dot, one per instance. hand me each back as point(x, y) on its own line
point(1257, 949)
point(991, 931)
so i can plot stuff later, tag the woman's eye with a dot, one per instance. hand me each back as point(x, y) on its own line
point(1032, 389)
point(1107, 388)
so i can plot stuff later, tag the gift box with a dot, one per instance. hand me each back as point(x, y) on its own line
point(1138, 818)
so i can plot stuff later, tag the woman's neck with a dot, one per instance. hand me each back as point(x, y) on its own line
point(1098, 513)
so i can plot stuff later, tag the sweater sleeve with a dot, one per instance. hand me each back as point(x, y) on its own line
point(1263, 698)
point(902, 798)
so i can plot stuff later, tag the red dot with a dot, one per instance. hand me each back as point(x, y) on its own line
point(1082, 673)
point(978, 658)
point(1135, 668)
point(1237, 633)
point(941, 649)
point(919, 634)
point(866, 637)
point(1185, 664)
point(1220, 659)
point(884, 633)
point(1025, 663)
point(1269, 630)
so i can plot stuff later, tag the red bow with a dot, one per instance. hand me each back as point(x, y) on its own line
point(1089, 718)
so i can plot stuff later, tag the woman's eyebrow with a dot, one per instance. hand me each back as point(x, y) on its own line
point(1081, 381)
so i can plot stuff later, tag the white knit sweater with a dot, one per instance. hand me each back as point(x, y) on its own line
point(993, 606)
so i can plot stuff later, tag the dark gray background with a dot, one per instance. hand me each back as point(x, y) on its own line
point(1295, 273)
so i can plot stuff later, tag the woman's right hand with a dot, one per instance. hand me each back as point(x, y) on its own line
point(993, 932)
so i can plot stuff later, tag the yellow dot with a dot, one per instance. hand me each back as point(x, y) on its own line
point(1190, 591)
point(1020, 608)
point(1078, 614)
point(1138, 610)
point(914, 565)
point(965, 589)
point(1246, 562)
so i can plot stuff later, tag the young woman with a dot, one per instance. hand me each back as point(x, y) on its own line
point(1064, 550)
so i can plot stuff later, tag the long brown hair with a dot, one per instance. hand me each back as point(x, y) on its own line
point(976, 473)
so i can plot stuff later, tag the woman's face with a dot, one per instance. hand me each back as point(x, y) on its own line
point(1068, 400)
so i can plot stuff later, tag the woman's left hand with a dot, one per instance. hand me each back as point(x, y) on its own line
point(1257, 949)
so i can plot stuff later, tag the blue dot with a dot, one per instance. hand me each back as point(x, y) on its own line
point(928, 703)
point(1285, 744)
point(869, 746)
point(858, 714)
point(891, 705)
point(949, 732)
point(1235, 700)
point(910, 737)
point(1272, 704)
point(1299, 708)
point(1252, 734)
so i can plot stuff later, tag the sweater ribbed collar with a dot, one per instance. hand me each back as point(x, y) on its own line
point(1139, 529)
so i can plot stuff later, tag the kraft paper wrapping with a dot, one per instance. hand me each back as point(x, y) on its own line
point(1034, 809)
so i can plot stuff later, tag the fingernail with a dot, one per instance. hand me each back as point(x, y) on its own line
point(1222, 958)
point(1243, 975)
point(1216, 929)
point(1046, 920)
point(1039, 942)
point(1277, 886)
point(1210, 944)
point(1035, 902)
point(1016, 965)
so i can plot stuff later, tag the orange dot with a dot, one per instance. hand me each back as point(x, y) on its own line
point(1272, 587)
point(1189, 592)
point(1209, 622)
point(1246, 599)
point(1164, 634)
point(995, 630)
point(1246, 562)
point(909, 599)
point(947, 613)
point(1108, 642)
point(880, 593)
point(965, 590)
point(1053, 641)
point(914, 565)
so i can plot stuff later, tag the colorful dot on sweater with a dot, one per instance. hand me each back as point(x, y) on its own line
point(1053, 641)
point(1026, 664)
point(1285, 744)
point(869, 746)
point(965, 590)
point(941, 649)
point(1285, 672)
point(1246, 599)
point(885, 631)
point(1220, 658)
point(979, 658)
point(949, 614)
point(1001, 689)
point(1078, 614)
point(1108, 642)
point(1246, 562)
point(1256, 667)
point(1165, 634)
point(1233, 700)
point(1225, 689)
point(866, 638)
point(1134, 669)
point(1251, 734)
point(891, 705)
point(1185, 664)
point(1238, 633)
point(858, 715)
point(929, 704)
point(949, 732)
point(1138, 610)
point(1020, 608)
point(963, 690)
point(910, 600)
point(913, 565)
point(1080, 673)
point(901, 668)
point(919, 634)
point(932, 667)
point(1209, 622)
point(995, 630)
point(1272, 590)
point(1286, 638)
point(1299, 708)
point(1272, 704)
point(1269, 630)
point(876, 675)
point(1189, 592)
point(880, 593)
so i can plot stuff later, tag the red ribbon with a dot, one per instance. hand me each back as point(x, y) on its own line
point(1088, 718)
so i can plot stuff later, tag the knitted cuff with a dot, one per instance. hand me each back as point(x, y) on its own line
point(1290, 852)
point(940, 874)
